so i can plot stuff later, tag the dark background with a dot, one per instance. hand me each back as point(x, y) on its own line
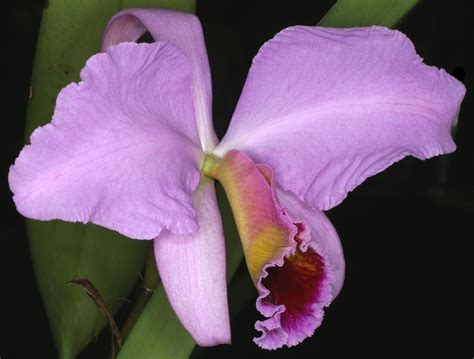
point(407, 233)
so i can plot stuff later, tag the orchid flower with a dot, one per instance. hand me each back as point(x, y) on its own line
point(132, 148)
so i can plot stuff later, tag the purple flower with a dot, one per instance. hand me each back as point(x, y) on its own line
point(132, 148)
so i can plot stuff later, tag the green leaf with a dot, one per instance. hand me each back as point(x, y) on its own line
point(70, 33)
point(352, 13)
point(61, 251)
point(178, 5)
point(158, 332)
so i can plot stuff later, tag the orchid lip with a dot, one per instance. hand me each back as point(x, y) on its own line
point(289, 271)
point(293, 292)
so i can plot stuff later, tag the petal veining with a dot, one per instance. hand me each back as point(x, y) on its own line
point(120, 151)
point(326, 108)
point(184, 31)
point(192, 268)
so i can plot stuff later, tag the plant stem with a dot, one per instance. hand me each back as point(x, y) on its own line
point(150, 281)
point(93, 293)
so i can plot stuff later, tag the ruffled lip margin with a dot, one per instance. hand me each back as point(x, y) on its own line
point(274, 333)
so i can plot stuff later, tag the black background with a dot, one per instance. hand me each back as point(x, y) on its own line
point(407, 233)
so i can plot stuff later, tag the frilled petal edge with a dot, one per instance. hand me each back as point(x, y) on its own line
point(293, 254)
point(295, 288)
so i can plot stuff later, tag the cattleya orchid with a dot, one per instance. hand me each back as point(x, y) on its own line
point(132, 148)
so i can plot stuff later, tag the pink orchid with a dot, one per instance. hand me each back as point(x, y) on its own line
point(132, 148)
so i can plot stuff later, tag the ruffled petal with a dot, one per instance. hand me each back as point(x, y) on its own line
point(192, 268)
point(184, 31)
point(122, 150)
point(326, 108)
point(293, 291)
point(293, 254)
point(323, 236)
point(293, 294)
